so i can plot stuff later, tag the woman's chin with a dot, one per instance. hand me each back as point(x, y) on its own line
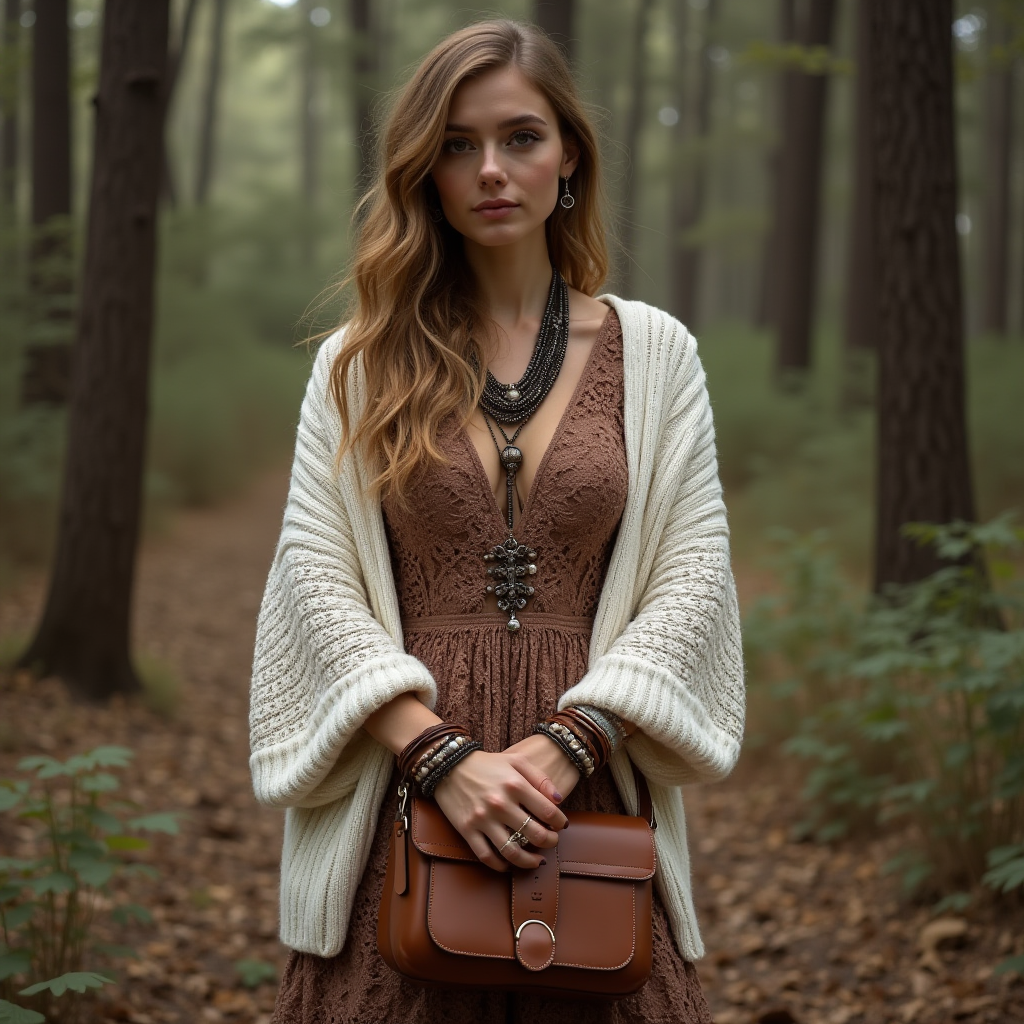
point(496, 234)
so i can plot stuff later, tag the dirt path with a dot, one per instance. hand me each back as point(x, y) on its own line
point(794, 932)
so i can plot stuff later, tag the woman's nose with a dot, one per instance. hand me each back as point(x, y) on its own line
point(491, 171)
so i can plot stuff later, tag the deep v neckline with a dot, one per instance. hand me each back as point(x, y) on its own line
point(481, 472)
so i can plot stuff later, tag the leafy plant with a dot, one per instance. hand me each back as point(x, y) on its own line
point(82, 839)
point(254, 973)
point(910, 707)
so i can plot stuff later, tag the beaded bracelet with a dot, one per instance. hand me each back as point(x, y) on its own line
point(574, 746)
point(436, 775)
point(426, 745)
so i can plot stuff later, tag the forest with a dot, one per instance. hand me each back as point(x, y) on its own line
point(828, 193)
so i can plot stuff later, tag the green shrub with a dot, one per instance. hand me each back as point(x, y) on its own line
point(83, 838)
point(909, 708)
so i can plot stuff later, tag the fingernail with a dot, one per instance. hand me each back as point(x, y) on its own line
point(558, 798)
point(566, 825)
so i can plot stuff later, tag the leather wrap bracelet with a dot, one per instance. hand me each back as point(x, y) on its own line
point(432, 755)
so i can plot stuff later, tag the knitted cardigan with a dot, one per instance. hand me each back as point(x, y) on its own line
point(664, 653)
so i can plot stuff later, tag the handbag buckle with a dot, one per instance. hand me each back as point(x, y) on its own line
point(535, 952)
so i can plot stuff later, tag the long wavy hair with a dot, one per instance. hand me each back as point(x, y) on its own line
point(416, 317)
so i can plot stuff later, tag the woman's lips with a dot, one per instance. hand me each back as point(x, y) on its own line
point(496, 212)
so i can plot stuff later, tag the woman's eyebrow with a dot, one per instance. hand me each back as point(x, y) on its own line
point(509, 122)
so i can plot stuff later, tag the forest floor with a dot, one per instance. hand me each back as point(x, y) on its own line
point(794, 931)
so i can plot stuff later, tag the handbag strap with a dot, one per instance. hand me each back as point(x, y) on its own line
point(644, 803)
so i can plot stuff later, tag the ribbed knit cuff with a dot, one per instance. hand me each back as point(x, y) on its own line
point(664, 709)
point(283, 773)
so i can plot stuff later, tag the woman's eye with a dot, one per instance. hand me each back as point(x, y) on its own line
point(524, 137)
point(456, 145)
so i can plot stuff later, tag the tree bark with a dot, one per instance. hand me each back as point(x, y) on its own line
point(46, 373)
point(689, 195)
point(10, 27)
point(84, 632)
point(634, 125)
point(765, 316)
point(923, 460)
point(208, 129)
point(860, 320)
point(51, 113)
point(364, 68)
point(995, 297)
point(800, 202)
point(557, 18)
point(175, 60)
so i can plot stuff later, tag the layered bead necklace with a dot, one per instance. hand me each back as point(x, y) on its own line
point(516, 403)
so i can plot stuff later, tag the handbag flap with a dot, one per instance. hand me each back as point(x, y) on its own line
point(468, 912)
point(594, 845)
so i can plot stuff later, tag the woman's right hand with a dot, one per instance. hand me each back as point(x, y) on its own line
point(488, 796)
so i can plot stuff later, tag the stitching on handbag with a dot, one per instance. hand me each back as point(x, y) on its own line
point(626, 867)
point(617, 967)
point(459, 952)
point(647, 872)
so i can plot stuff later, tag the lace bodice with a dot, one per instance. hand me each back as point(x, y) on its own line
point(571, 516)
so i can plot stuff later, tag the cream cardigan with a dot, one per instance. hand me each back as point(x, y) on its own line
point(665, 650)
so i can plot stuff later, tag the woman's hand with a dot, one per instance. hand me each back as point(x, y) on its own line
point(548, 758)
point(487, 797)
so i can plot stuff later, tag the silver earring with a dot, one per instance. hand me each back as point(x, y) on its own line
point(567, 200)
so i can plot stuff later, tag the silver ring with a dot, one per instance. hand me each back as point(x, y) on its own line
point(529, 818)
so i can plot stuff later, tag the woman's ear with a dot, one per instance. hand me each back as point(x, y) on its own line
point(570, 157)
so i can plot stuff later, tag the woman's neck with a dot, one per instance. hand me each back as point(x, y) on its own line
point(514, 280)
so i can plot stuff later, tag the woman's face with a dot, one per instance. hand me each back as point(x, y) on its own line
point(499, 172)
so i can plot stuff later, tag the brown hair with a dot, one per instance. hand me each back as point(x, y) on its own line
point(416, 317)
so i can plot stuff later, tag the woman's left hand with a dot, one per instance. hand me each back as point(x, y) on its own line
point(546, 756)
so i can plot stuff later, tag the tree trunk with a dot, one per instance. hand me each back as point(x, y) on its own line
point(860, 336)
point(364, 69)
point(800, 202)
point(84, 633)
point(765, 316)
point(208, 129)
point(634, 124)
point(175, 60)
point(46, 374)
point(10, 27)
point(557, 18)
point(689, 196)
point(995, 298)
point(923, 461)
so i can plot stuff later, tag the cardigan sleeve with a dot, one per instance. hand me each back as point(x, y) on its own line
point(676, 671)
point(322, 663)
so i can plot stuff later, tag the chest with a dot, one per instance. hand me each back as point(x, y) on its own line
point(539, 435)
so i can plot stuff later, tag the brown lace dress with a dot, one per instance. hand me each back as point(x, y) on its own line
point(500, 685)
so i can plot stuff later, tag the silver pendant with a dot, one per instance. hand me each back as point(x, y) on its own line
point(512, 395)
point(514, 561)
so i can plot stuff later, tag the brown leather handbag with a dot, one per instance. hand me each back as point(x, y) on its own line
point(578, 925)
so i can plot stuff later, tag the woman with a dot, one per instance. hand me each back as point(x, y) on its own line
point(380, 620)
